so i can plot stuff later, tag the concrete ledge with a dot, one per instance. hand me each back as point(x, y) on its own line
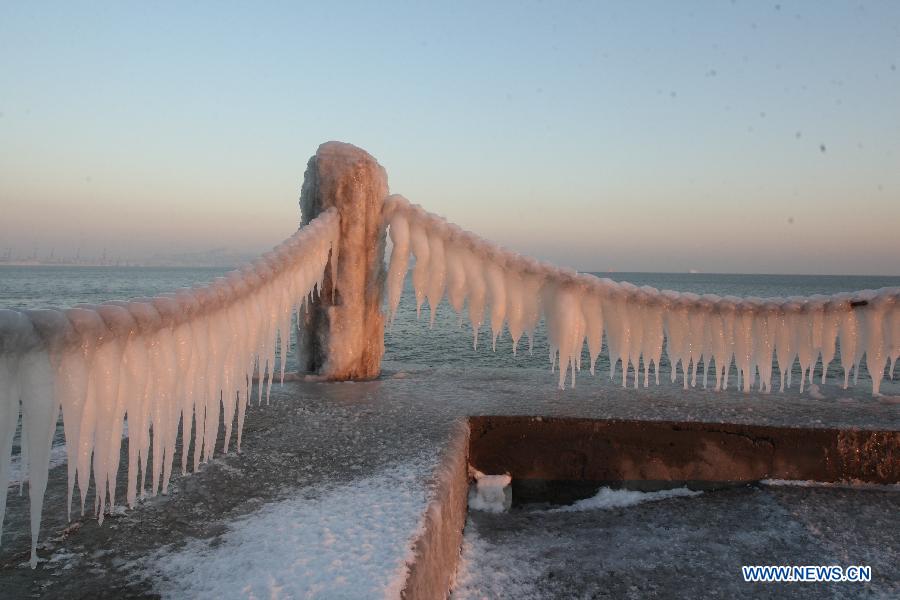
point(437, 549)
point(550, 449)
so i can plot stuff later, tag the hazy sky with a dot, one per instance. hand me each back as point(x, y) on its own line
point(667, 136)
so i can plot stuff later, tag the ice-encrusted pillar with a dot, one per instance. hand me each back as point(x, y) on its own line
point(342, 337)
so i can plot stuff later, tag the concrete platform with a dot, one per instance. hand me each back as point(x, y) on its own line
point(318, 467)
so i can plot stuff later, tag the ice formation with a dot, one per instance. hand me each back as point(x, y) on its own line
point(186, 358)
point(607, 498)
point(492, 493)
point(639, 323)
point(341, 336)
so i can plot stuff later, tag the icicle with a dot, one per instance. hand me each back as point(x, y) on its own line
point(761, 359)
point(831, 320)
point(91, 330)
point(9, 401)
point(637, 319)
point(743, 345)
point(848, 333)
point(420, 248)
point(592, 312)
point(456, 277)
point(728, 307)
point(399, 232)
point(608, 298)
point(565, 327)
point(496, 287)
point(26, 376)
point(677, 335)
point(436, 272)
point(334, 247)
point(531, 286)
point(111, 402)
point(476, 292)
point(190, 355)
point(876, 336)
point(515, 307)
point(654, 333)
point(892, 322)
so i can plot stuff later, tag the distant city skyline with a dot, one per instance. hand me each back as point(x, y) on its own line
point(662, 137)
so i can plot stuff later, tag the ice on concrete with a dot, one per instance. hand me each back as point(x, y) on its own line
point(490, 493)
point(606, 498)
point(353, 540)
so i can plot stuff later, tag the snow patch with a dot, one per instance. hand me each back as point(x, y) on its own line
point(353, 541)
point(607, 498)
point(484, 572)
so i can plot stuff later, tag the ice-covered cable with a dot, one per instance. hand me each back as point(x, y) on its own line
point(176, 363)
point(640, 323)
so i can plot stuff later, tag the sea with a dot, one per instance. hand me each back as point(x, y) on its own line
point(410, 340)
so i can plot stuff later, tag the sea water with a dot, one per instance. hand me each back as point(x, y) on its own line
point(410, 340)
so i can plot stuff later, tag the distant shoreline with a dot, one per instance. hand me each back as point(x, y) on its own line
point(602, 273)
point(41, 265)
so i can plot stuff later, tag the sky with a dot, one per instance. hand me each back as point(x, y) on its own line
point(747, 137)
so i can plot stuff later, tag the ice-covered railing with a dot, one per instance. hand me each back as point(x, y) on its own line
point(184, 358)
point(639, 323)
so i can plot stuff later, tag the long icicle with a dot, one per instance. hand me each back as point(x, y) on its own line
point(182, 358)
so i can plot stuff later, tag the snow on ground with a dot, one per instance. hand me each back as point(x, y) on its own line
point(485, 572)
point(683, 547)
point(351, 541)
point(491, 570)
point(610, 498)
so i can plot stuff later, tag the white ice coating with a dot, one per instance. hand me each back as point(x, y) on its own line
point(185, 358)
point(640, 323)
point(491, 493)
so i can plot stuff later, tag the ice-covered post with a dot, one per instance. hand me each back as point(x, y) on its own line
point(341, 335)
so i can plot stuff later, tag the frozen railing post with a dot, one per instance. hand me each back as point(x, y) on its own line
point(341, 332)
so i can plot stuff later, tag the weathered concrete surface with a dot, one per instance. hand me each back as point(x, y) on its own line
point(315, 435)
point(342, 336)
point(620, 450)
